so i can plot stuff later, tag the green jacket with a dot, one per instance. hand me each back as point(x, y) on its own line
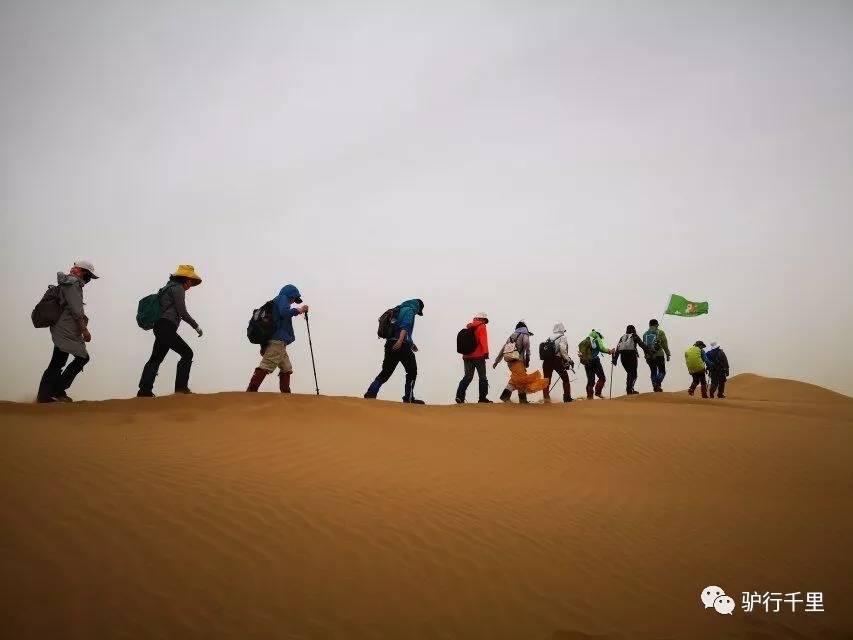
point(694, 360)
point(664, 345)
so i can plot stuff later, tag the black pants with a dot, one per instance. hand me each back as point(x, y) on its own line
point(629, 363)
point(657, 367)
point(55, 382)
point(718, 382)
point(404, 355)
point(593, 370)
point(166, 337)
point(698, 381)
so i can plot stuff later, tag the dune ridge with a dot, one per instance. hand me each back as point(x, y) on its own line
point(263, 516)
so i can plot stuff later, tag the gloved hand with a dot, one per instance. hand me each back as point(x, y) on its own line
point(199, 331)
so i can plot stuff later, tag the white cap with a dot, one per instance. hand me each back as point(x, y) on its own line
point(482, 315)
point(88, 266)
point(713, 345)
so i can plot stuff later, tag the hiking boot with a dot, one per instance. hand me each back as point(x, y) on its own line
point(460, 400)
point(690, 390)
point(373, 389)
point(44, 400)
point(484, 401)
point(505, 395)
point(145, 394)
point(409, 393)
point(589, 392)
point(720, 395)
point(567, 398)
point(284, 382)
point(184, 390)
point(522, 398)
point(484, 391)
point(62, 397)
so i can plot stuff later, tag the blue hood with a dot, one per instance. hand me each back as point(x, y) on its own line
point(290, 291)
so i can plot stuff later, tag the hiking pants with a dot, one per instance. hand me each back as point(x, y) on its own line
point(718, 381)
point(404, 355)
point(556, 365)
point(657, 367)
point(165, 338)
point(699, 381)
point(55, 381)
point(629, 363)
point(594, 370)
point(471, 365)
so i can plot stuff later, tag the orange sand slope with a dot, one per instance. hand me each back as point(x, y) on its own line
point(265, 516)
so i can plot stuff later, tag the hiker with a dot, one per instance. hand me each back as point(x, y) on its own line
point(400, 349)
point(626, 348)
point(516, 353)
point(718, 368)
point(656, 347)
point(69, 334)
point(173, 309)
point(476, 360)
point(588, 350)
point(695, 359)
point(274, 352)
point(557, 360)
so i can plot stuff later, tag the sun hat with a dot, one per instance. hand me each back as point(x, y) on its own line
point(88, 266)
point(482, 316)
point(187, 271)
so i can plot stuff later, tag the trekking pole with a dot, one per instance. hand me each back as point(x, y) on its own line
point(311, 347)
point(611, 379)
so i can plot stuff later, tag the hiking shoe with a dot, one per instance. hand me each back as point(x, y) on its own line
point(720, 395)
point(44, 400)
point(145, 394)
point(460, 401)
point(185, 390)
point(62, 397)
point(484, 401)
point(690, 391)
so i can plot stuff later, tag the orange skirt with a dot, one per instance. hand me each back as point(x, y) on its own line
point(524, 382)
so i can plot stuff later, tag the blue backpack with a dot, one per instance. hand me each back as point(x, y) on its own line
point(652, 342)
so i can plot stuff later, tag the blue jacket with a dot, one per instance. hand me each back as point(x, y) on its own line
point(406, 320)
point(284, 314)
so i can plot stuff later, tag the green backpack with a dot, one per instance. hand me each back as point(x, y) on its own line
point(149, 310)
point(585, 349)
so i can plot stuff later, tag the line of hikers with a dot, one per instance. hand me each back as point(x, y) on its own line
point(271, 328)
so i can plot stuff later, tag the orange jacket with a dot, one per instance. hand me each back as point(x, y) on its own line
point(482, 340)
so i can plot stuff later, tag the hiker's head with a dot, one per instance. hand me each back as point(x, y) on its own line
point(699, 344)
point(482, 317)
point(83, 270)
point(631, 329)
point(292, 294)
point(653, 323)
point(186, 275)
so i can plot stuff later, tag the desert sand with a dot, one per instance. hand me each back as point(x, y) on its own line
point(239, 515)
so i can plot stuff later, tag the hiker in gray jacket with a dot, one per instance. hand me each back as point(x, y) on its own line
point(174, 309)
point(69, 333)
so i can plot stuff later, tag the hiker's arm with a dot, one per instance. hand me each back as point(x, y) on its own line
point(179, 296)
point(74, 301)
point(405, 322)
point(664, 344)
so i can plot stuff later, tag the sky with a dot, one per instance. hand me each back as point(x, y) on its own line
point(573, 162)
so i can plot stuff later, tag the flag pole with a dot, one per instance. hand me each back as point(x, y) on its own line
point(666, 308)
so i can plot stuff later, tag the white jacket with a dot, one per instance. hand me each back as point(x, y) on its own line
point(559, 338)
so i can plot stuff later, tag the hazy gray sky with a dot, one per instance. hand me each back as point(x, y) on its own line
point(570, 162)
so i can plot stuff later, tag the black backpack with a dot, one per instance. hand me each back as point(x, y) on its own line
point(547, 350)
point(46, 313)
point(387, 323)
point(466, 341)
point(262, 324)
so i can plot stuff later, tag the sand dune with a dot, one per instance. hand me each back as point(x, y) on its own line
point(240, 515)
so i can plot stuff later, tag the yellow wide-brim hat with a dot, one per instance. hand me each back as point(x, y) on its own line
point(188, 271)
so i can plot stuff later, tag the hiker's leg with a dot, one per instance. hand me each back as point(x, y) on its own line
point(693, 383)
point(468, 367)
point(714, 384)
point(270, 360)
point(389, 364)
point(703, 384)
point(722, 387)
point(257, 378)
point(410, 364)
point(285, 370)
point(163, 331)
point(590, 379)
point(629, 363)
point(547, 372)
point(182, 371)
point(71, 372)
point(567, 384)
point(483, 380)
point(661, 369)
point(52, 376)
point(599, 372)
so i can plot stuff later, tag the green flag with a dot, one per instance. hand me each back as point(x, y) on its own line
point(679, 306)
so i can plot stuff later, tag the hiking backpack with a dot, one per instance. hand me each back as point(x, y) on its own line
point(387, 323)
point(547, 350)
point(626, 343)
point(585, 349)
point(652, 341)
point(49, 308)
point(149, 310)
point(466, 341)
point(510, 351)
point(262, 324)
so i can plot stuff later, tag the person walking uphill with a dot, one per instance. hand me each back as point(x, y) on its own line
point(516, 353)
point(476, 360)
point(69, 334)
point(657, 347)
point(718, 367)
point(626, 348)
point(274, 353)
point(695, 359)
point(588, 350)
point(173, 309)
point(400, 349)
point(557, 360)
